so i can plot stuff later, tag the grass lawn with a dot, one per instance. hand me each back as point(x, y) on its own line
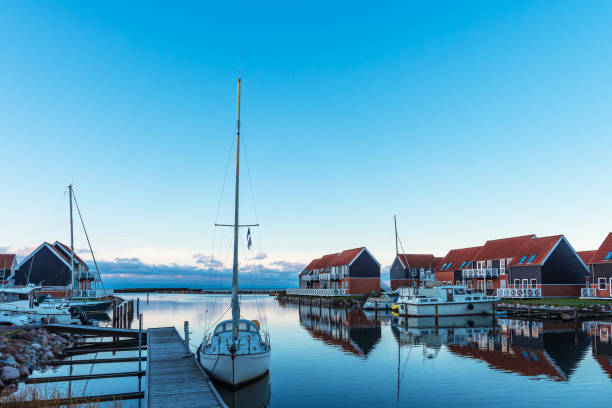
point(574, 302)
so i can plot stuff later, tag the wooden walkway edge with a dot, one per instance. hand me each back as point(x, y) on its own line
point(174, 378)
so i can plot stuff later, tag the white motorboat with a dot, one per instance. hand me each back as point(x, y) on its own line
point(237, 351)
point(451, 300)
point(382, 302)
point(26, 311)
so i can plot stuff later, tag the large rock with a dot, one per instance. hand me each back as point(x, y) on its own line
point(24, 371)
point(9, 374)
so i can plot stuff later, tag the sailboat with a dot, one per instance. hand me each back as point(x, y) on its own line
point(237, 351)
point(83, 291)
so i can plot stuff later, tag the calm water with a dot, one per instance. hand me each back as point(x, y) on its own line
point(334, 357)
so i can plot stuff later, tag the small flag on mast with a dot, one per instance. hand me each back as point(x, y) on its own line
point(249, 241)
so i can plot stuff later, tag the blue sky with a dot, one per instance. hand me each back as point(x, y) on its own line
point(469, 120)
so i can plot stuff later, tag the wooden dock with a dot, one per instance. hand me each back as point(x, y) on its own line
point(174, 378)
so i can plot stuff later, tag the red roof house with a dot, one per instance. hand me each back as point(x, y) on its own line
point(353, 271)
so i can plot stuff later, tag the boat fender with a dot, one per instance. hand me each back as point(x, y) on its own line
point(470, 306)
point(256, 324)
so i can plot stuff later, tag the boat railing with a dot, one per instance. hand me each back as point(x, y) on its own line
point(317, 292)
point(88, 293)
point(519, 292)
point(482, 273)
point(588, 292)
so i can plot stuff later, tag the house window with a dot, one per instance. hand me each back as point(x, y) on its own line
point(525, 283)
point(468, 264)
point(523, 259)
point(449, 265)
point(534, 283)
point(443, 266)
point(608, 257)
point(489, 284)
point(602, 283)
point(531, 258)
point(462, 263)
point(517, 283)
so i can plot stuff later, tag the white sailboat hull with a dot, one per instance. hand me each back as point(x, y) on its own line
point(237, 370)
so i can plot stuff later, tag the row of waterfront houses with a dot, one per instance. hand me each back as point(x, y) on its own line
point(524, 266)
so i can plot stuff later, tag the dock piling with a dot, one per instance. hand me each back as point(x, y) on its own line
point(186, 327)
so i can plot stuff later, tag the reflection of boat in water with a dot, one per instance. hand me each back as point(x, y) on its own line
point(451, 300)
point(351, 330)
point(255, 394)
point(449, 330)
point(601, 340)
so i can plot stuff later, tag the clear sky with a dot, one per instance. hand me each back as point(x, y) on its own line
point(469, 120)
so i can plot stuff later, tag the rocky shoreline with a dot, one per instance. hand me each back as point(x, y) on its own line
point(22, 350)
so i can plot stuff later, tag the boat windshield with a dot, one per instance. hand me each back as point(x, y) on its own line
point(459, 291)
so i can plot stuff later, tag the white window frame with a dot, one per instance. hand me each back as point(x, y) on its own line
point(534, 283)
point(601, 281)
point(525, 283)
point(517, 283)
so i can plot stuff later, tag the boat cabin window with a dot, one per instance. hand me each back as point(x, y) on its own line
point(460, 291)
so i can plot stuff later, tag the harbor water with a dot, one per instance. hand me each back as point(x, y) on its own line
point(329, 357)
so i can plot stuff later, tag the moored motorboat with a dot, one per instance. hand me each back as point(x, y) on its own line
point(382, 302)
point(27, 311)
point(451, 300)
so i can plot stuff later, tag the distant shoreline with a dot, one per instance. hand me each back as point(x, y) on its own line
point(196, 291)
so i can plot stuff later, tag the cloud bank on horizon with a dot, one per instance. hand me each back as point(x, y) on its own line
point(133, 273)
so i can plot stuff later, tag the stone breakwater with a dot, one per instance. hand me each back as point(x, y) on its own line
point(24, 350)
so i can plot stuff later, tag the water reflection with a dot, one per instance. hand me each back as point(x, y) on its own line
point(350, 329)
point(253, 395)
point(533, 349)
point(601, 337)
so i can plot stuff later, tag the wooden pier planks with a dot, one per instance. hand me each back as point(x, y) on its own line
point(92, 330)
point(173, 376)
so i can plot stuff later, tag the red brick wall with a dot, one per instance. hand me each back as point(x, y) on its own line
point(360, 286)
point(561, 290)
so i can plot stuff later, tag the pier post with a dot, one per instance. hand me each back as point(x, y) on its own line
point(187, 335)
point(139, 345)
point(138, 308)
point(436, 308)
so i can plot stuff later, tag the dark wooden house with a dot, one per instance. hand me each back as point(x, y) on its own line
point(354, 271)
point(412, 269)
point(49, 266)
point(600, 271)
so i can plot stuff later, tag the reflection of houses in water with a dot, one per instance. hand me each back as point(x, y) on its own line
point(601, 337)
point(349, 329)
point(528, 348)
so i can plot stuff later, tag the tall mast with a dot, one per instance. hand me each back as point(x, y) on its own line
point(71, 239)
point(235, 304)
point(395, 222)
